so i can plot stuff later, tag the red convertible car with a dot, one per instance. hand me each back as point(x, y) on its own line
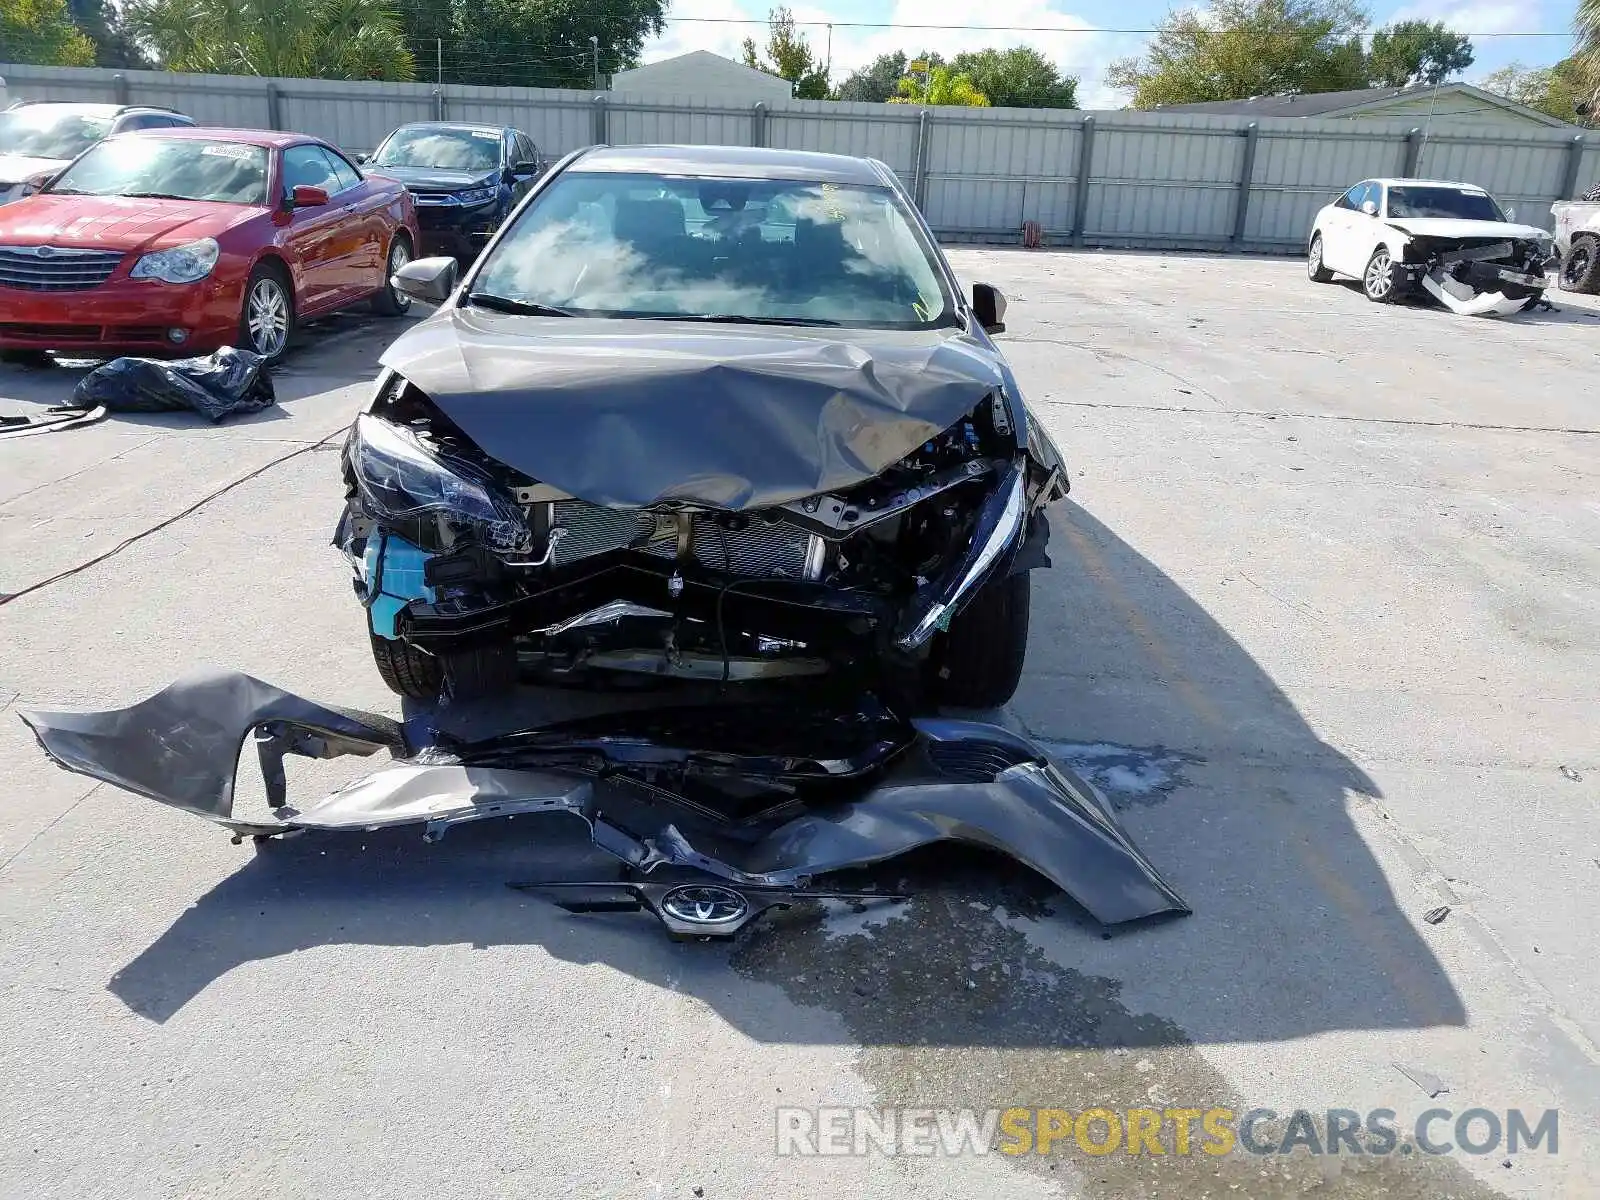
point(185, 240)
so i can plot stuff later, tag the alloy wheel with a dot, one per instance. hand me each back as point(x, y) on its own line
point(1379, 278)
point(1314, 258)
point(1576, 265)
point(399, 256)
point(267, 318)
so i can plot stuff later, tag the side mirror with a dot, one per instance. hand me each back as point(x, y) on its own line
point(305, 196)
point(430, 280)
point(363, 159)
point(1370, 207)
point(989, 306)
point(525, 170)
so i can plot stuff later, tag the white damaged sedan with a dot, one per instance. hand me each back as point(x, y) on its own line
point(1451, 241)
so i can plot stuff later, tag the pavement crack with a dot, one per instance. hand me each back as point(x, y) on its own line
point(94, 466)
point(53, 822)
point(1294, 416)
point(125, 543)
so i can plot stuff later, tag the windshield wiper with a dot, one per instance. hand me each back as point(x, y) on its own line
point(154, 196)
point(520, 307)
point(738, 319)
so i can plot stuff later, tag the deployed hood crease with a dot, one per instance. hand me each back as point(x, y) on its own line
point(629, 413)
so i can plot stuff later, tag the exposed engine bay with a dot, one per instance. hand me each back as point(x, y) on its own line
point(457, 551)
point(710, 815)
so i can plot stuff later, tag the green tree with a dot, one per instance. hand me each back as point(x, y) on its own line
point(1557, 90)
point(314, 39)
point(543, 43)
point(102, 24)
point(789, 57)
point(940, 85)
point(874, 83)
point(1416, 52)
point(1017, 78)
point(1242, 48)
point(42, 32)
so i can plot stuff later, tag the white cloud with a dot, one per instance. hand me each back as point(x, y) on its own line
point(1472, 16)
point(1083, 52)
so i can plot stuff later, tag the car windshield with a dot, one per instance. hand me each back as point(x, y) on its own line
point(446, 149)
point(170, 168)
point(778, 251)
point(49, 132)
point(1443, 202)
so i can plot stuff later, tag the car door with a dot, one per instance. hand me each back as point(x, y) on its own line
point(1363, 227)
point(313, 237)
point(1337, 231)
point(364, 241)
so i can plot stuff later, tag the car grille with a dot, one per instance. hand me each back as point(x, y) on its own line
point(53, 269)
point(763, 549)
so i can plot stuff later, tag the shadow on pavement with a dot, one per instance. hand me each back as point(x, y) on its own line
point(1295, 931)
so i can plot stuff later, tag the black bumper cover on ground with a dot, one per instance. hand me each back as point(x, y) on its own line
point(769, 804)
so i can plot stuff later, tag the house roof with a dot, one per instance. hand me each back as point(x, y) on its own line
point(1338, 104)
point(701, 61)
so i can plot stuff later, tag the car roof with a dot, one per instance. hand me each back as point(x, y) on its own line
point(265, 138)
point(741, 162)
point(1444, 183)
point(465, 126)
point(88, 109)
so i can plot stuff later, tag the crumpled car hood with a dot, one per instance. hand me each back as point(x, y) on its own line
point(1454, 227)
point(628, 413)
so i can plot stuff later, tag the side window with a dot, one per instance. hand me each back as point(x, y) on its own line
point(1370, 192)
point(308, 166)
point(1352, 198)
point(347, 175)
point(129, 124)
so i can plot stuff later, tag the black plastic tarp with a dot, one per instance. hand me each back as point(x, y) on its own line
point(224, 384)
point(629, 413)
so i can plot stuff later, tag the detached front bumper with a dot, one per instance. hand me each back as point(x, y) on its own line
point(123, 316)
point(845, 789)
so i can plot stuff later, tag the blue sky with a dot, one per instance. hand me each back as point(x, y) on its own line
point(1083, 53)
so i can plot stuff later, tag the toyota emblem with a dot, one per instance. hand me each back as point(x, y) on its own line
point(704, 904)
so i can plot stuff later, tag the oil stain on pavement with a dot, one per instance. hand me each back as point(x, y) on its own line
point(954, 1007)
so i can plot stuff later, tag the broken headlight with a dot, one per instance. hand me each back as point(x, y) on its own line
point(399, 480)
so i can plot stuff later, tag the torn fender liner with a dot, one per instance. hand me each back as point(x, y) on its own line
point(181, 746)
point(228, 382)
point(629, 413)
point(920, 783)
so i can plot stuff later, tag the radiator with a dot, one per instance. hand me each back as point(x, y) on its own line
point(761, 549)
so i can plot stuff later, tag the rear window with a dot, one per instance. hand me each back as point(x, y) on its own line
point(148, 165)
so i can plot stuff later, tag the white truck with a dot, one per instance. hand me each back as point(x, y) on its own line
point(1578, 243)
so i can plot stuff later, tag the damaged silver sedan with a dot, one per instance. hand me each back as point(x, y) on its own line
point(714, 814)
point(708, 413)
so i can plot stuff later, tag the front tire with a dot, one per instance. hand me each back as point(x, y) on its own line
point(1380, 281)
point(389, 301)
point(462, 675)
point(34, 360)
point(1315, 271)
point(1580, 268)
point(266, 321)
point(986, 645)
point(406, 670)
